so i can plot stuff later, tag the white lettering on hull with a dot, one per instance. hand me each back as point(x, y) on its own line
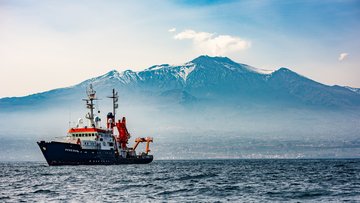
point(72, 150)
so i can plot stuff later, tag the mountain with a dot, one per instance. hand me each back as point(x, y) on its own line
point(210, 107)
point(203, 80)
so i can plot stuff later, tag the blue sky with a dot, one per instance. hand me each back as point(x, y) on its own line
point(51, 44)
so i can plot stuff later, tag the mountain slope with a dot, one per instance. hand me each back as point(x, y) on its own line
point(306, 91)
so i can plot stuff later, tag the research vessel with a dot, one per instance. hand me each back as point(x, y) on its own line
point(93, 144)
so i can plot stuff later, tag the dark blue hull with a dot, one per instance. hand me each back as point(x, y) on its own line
point(59, 153)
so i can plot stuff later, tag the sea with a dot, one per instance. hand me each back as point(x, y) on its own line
point(238, 180)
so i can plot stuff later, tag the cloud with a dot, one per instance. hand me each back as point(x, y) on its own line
point(172, 30)
point(343, 56)
point(212, 44)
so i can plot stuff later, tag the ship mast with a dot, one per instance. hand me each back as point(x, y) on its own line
point(90, 104)
point(115, 99)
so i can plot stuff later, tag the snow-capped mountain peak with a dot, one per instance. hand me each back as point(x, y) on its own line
point(229, 64)
point(211, 78)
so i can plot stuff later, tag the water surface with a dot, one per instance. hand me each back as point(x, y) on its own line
point(178, 181)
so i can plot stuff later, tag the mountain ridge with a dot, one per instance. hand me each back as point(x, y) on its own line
point(208, 78)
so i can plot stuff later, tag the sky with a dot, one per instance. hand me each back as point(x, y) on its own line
point(52, 44)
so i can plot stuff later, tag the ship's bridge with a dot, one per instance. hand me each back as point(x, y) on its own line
point(88, 130)
point(92, 137)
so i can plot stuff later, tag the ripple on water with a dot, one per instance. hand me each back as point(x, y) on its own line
point(179, 181)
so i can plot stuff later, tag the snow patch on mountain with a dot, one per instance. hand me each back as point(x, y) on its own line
point(128, 76)
point(261, 71)
point(186, 70)
point(157, 67)
point(353, 89)
point(103, 79)
point(124, 77)
point(257, 70)
point(230, 67)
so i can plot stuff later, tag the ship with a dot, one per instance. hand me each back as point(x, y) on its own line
point(93, 144)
